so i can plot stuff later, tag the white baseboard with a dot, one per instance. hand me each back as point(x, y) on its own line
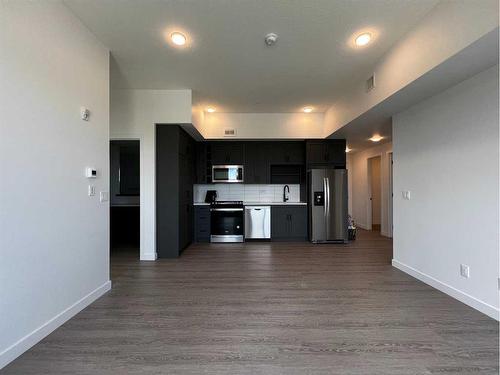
point(362, 226)
point(148, 256)
point(469, 300)
point(19, 347)
point(385, 234)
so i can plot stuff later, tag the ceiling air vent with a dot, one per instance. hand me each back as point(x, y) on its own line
point(229, 132)
point(370, 83)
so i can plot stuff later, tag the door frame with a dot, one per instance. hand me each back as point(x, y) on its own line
point(141, 188)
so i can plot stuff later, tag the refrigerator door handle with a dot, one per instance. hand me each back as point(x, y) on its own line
point(325, 198)
point(327, 208)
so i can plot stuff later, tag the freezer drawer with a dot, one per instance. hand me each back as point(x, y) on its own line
point(258, 222)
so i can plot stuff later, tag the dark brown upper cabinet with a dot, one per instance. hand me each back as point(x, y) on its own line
point(224, 153)
point(287, 152)
point(330, 153)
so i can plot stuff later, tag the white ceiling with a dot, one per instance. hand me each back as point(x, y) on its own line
point(475, 58)
point(228, 64)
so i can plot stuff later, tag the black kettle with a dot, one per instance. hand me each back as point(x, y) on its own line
point(211, 196)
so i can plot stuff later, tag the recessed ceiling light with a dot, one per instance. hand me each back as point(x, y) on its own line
point(363, 39)
point(347, 149)
point(210, 109)
point(178, 38)
point(376, 138)
point(307, 109)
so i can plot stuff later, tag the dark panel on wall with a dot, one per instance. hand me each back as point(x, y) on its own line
point(167, 191)
point(175, 176)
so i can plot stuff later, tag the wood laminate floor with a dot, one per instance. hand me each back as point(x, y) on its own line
point(269, 308)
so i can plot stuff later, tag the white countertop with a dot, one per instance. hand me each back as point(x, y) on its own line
point(260, 204)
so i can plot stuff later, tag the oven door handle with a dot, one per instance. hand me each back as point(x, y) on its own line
point(227, 209)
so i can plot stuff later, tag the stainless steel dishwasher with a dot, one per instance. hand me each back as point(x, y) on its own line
point(257, 222)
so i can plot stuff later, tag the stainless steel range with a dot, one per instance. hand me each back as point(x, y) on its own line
point(227, 221)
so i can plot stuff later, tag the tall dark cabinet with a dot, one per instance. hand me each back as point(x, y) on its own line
point(175, 176)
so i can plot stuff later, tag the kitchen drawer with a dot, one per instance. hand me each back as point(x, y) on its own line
point(202, 223)
point(203, 217)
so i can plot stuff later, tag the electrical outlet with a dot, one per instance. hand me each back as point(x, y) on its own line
point(464, 271)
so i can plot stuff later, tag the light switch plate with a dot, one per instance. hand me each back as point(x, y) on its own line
point(91, 190)
point(406, 194)
point(104, 196)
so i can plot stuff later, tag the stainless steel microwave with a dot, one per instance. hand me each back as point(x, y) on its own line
point(227, 173)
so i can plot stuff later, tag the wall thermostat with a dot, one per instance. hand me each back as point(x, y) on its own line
point(84, 113)
point(90, 172)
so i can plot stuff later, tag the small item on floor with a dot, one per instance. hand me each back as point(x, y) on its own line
point(351, 228)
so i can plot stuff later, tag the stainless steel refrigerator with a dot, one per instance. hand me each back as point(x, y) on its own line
point(327, 189)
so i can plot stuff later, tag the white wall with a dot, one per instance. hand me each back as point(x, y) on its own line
point(447, 29)
point(54, 242)
point(446, 154)
point(360, 195)
point(134, 114)
point(264, 125)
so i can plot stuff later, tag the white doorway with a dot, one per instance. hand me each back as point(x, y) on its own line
point(374, 193)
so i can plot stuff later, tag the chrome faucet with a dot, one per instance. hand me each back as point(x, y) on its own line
point(286, 189)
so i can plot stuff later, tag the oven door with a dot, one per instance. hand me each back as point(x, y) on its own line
point(226, 225)
point(227, 173)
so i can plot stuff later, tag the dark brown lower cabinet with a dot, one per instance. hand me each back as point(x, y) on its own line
point(202, 223)
point(289, 223)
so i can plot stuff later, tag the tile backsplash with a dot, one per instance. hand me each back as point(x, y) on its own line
point(247, 193)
